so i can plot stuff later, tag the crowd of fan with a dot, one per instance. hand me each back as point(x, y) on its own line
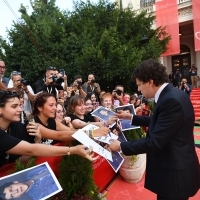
point(55, 82)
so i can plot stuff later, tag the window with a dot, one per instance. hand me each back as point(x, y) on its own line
point(146, 3)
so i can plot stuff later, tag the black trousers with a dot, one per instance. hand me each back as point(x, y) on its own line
point(165, 198)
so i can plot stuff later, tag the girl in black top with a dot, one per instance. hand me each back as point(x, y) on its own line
point(44, 109)
point(10, 111)
point(76, 110)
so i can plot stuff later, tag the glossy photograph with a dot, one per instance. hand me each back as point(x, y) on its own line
point(35, 183)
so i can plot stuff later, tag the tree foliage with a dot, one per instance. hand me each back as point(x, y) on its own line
point(96, 38)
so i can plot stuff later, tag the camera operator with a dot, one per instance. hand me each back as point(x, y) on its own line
point(193, 75)
point(76, 87)
point(92, 86)
point(17, 83)
point(51, 83)
point(118, 96)
point(187, 88)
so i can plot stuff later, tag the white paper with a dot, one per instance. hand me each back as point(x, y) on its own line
point(87, 141)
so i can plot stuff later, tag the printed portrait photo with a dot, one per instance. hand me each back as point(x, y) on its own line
point(125, 123)
point(116, 129)
point(102, 113)
point(38, 182)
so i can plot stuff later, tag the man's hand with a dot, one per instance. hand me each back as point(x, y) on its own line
point(115, 145)
point(123, 115)
point(111, 120)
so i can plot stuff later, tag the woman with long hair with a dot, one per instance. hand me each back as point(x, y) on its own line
point(44, 109)
point(11, 128)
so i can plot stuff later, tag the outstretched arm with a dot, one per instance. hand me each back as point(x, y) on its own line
point(25, 148)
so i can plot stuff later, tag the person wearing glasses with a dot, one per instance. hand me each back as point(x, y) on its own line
point(16, 84)
point(3, 79)
point(48, 84)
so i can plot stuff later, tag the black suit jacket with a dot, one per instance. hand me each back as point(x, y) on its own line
point(172, 168)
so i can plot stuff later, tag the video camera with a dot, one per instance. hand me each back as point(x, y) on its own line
point(24, 81)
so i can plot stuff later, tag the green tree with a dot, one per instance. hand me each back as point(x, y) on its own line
point(96, 38)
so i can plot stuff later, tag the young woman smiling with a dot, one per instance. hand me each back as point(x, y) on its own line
point(76, 111)
point(10, 128)
point(44, 109)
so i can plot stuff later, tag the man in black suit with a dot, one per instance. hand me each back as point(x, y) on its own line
point(172, 169)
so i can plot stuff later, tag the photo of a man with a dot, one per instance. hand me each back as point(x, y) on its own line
point(125, 123)
point(35, 183)
point(116, 157)
point(103, 113)
point(117, 131)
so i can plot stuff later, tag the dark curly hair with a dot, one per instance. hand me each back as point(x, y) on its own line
point(2, 188)
point(151, 70)
point(40, 100)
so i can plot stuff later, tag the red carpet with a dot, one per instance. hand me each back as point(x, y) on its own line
point(121, 190)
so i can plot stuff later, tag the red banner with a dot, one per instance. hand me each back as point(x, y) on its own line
point(196, 22)
point(167, 15)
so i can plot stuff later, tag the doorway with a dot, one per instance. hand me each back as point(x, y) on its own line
point(182, 62)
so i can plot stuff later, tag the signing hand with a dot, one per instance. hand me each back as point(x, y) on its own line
point(114, 145)
point(123, 115)
point(111, 120)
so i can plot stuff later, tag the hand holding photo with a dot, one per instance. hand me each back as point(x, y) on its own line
point(126, 124)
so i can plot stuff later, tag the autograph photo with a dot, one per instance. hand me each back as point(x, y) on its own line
point(125, 123)
point(102, 113)
point(117, 158)
point(116, 129)
point(35, 183)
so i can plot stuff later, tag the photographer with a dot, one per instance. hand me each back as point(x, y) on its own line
point(118, 96)
point(17, 83)
point(51, 83)
point(76, 87)
point(92, 86)
point(187, 88)
point(193, 75)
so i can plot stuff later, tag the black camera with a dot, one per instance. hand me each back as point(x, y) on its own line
point(57, 80)
point(118, 92)
point(183, 83)
point(24, 81)
point(93, 81)
point(79, 83)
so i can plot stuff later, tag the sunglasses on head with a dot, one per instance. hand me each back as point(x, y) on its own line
point(51, 68)
point(15, 73)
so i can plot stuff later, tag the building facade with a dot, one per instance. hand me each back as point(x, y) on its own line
point(187, 54)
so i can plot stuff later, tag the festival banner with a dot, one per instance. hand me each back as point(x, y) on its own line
point(167, 15)
point(196, 23)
